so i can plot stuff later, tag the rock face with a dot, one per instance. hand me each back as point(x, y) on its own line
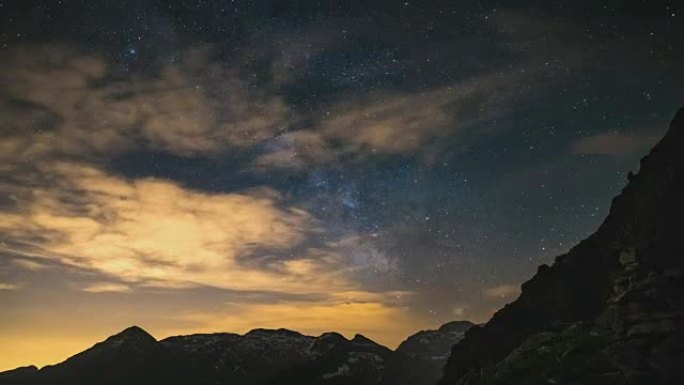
point(420, 359)
point(435, 345)
point(611, 310)
point(259, 357)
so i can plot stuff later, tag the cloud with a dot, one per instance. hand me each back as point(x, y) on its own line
point(502, 291)
point(390, 123)
point(394, 123)
point(296, 150)
point(107, 287)
point(8, 286)
point(156, 232)
point(63, 102)
point(615, 144)
point(29, 264)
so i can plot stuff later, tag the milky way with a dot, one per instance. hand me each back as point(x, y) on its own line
point(202, 166)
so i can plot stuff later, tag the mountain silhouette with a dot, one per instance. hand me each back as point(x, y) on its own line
point(261, 356)
point(130, 357)
point(611, 310)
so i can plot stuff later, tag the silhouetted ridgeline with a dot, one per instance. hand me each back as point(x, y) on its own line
point(260, 357)
point(608, 312)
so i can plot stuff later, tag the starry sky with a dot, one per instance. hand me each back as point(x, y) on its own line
point(376, 167)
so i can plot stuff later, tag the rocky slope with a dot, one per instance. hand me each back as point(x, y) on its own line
point(611, 310)
point(435, 345)
point(419, 360)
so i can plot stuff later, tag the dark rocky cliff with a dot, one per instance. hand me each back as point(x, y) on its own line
point(611, 310)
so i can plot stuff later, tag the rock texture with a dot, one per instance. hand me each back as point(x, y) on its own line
point(611, 310)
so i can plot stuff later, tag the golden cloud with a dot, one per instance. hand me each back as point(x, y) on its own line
point(8, 286)
point(107, 287)
point(29, 264)
point(156, 232)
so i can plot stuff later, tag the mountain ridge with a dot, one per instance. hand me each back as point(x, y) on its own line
point(260, 356)
point(625, 313)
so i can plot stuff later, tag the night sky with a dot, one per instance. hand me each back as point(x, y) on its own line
point(199, 166)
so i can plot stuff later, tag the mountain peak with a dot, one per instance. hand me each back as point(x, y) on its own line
point(361, 339)
point(455, 326)
point(130, 335)
point(274, 332)
point(135, 331)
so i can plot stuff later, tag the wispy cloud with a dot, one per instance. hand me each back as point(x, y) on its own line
point(8, 286)
point(63, 102)
point(504, 291)
point(29, 264)
point(107, 287)
point(395, 123)
point(613, 144)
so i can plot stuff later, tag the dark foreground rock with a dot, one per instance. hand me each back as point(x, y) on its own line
point(611, 310)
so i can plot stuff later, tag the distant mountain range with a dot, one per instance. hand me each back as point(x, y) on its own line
point(609, 312)
point(421, 358)
point(259, 357)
